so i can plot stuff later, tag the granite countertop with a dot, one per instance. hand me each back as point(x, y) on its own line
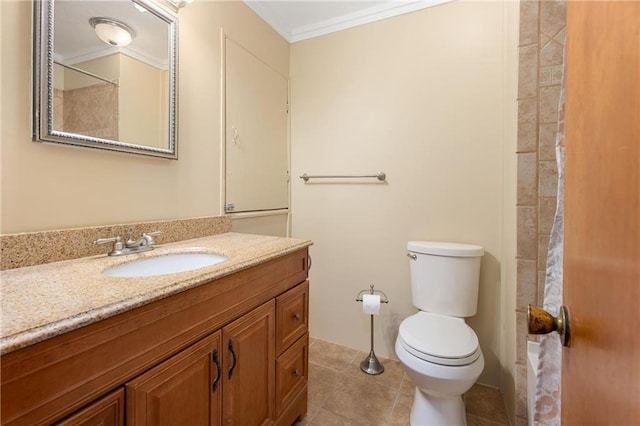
point(44, 301)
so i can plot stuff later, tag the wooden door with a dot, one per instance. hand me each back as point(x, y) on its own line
point(601, 368)
point(184, 390)
point(249, 368)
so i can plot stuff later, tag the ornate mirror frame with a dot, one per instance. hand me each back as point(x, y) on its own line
point(43, 93)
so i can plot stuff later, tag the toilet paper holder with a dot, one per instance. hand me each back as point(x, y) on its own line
point(383, 297)
point(371, 364)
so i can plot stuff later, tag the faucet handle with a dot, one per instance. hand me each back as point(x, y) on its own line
point(116, 240)
point(149, 236)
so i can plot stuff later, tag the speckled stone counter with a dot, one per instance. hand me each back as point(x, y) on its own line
point(43, 301)
point(36, 248)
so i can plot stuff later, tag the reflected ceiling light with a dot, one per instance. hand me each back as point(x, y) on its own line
point(112, 32)
point(181, 3)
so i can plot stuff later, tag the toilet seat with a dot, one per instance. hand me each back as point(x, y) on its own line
point(439, 339)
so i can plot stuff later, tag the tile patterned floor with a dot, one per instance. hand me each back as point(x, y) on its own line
point(341, 395)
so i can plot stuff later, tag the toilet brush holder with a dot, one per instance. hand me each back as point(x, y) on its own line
point(371, 364)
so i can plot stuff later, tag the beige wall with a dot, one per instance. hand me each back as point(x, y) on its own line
point(424, 98)
point(142, 86)
point(47, 186)
point(266, 223)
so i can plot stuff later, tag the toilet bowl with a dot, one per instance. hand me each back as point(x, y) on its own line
point(437, 349)
point(440, 380)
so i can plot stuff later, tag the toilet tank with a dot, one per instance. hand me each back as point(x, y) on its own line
point(445, 277)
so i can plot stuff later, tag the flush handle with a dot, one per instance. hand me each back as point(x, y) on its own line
point(540, 321)
point(412, 256)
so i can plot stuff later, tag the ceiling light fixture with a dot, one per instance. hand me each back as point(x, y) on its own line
point(112, 31)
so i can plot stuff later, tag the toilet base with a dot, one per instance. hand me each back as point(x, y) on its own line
point(432, 411)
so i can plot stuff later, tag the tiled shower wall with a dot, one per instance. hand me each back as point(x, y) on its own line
point(90, 110)
point(542, 37)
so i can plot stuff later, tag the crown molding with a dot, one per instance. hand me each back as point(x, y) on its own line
point(293, 34)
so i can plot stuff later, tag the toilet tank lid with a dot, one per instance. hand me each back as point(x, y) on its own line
point(445, 249)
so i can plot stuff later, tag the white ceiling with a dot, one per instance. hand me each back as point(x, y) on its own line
point(297, 20)
point(75, 41)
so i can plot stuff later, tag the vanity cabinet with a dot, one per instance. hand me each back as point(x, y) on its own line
point(107, 411)
point(232, 351)
point(184, 390)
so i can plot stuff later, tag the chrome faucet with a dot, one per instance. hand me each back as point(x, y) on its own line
point(144, 243)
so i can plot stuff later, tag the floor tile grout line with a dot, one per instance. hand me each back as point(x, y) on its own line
point(393, 407)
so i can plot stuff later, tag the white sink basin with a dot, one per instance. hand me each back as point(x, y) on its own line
point(163, 265)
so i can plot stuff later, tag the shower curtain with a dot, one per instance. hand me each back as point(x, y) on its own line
point(549, 374)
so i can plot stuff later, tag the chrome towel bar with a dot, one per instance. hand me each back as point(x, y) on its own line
point(380, 176)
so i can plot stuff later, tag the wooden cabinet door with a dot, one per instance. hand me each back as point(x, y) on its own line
point(107, 411)
point(184, 390)
point(249, 368)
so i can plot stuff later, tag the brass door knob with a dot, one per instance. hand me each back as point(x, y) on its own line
point(540, 321)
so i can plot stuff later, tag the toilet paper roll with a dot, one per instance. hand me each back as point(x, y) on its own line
point(371, 304)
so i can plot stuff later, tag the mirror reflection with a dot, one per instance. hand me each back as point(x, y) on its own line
point(108, 75)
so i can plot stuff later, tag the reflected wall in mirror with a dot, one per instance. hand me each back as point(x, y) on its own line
point(105, 75)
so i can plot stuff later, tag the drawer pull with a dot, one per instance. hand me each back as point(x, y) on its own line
point(216, 361)
point(233, 360)
point(297, 316)
point(296, 372)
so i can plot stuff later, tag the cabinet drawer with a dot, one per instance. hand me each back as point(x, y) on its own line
point(291, 373)
point(292, 320)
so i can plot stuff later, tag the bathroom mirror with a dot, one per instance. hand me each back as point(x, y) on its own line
point(105, 75)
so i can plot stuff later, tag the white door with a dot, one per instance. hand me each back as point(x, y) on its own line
point(256, 133)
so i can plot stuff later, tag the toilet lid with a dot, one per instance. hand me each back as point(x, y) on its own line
point(439, 338)
point(445, 249)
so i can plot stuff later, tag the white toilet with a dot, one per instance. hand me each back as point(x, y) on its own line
point(437, 349)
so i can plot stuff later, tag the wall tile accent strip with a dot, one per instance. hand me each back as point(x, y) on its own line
point(35, 248)
point(542, 37)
